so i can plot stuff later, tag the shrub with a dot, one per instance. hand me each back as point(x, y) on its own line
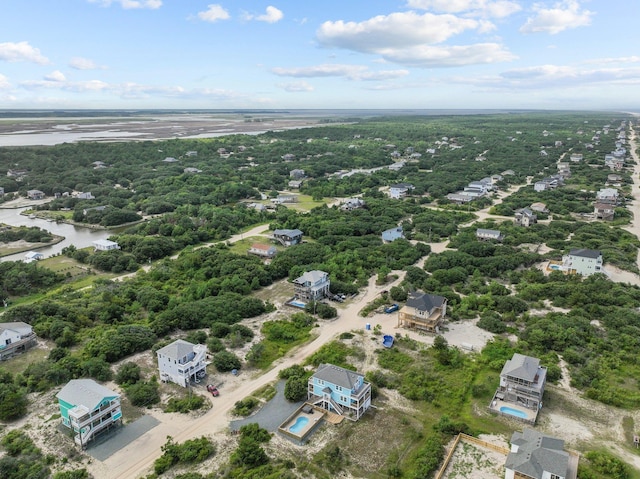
point(255, 432)
point(143, 393)
point(128, 373)
point(245, 406)
point(186, 404)
point(296, 388)
point(225, 361)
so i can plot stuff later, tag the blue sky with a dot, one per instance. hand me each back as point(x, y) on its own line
point(566, 54)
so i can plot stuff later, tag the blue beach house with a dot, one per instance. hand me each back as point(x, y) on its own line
point(340, 391)
point(88, 408)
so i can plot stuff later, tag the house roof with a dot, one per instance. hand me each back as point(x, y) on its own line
point(522, 367)
point(177, 349)
point(424, 301)
point(85, 392)
point(537, 453)
point(311, 277)
point(337, 375)
point(263, 247)
point(525, 211)
point(402, 186)
point(289, 233)
point(603, 206)
point(585, 253)
point(481, 231)
point(104, 242)
point(19, 327)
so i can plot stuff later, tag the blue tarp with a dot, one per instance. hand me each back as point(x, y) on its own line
point(387, 341)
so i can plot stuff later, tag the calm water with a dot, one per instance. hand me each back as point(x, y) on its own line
point(74, 235)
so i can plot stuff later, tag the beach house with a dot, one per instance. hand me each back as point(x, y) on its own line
point(182, 362)
point(423, 311)
point(339, 390)
point(15, 337)
point(311, 286)
point(535, 455)
point(88, 409)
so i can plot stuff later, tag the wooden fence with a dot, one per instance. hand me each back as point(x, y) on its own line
point(473, 440)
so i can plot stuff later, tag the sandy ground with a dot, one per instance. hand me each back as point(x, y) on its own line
point(135, 459)
point(472, 461)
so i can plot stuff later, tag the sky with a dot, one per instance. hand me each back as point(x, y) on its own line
point(328, 54)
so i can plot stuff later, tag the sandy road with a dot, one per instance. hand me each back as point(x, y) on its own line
point(137, 458)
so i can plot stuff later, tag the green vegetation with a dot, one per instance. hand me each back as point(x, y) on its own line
point(22, 459)
point(592, 323)
point(189, 452)
point(186, 404)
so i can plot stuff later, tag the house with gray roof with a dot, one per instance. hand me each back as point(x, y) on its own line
point(340, 391)
point(35, 194)
point(423, 311)
point(15, 337)
point(537, 456)
point(583, 261)
point(88, 409)
point(487, 235)
point(182, 362)
point(525, 217)
point(312, 285)
point(287, 237)
point(522, 382)
point(400, 190)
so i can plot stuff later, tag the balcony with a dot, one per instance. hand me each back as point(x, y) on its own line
point(81, 421)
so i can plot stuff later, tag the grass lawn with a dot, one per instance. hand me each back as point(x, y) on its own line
point(19, 363)
point(64, 264)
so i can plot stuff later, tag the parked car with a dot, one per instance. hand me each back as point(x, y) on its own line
point(392, 309)
point(213, 390)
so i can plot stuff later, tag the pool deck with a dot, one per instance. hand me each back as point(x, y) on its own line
point(315, 418)
point(530, 414)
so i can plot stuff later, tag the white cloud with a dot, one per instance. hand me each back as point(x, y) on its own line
point(55, 76)
point(564, 15)
point(131, 4)
point(296, 87)
point(90, 85)
point(272, 15)
point(481, 8)
point(448, 56)
point(352, 72)
point(395, 30)
point(21, 51)
point(544, 77)
point(4, 82)
point(80, 63)
point(600, 61)
point(213, 13)
point(411, 39)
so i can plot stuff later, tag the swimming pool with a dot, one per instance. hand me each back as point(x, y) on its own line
point(513, 412)
point(299, 425)
point(555, 266)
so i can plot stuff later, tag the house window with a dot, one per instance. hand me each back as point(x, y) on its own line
point(554, 476)
point(320, 382)
point(338, 388)
point(344, 399)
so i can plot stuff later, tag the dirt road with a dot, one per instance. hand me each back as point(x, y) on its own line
point(137, 458)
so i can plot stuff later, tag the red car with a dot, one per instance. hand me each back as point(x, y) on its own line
point(213, 390)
